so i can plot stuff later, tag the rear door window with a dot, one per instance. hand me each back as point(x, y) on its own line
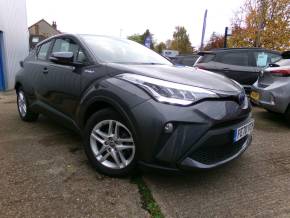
point(233, 58)
point(43, 50)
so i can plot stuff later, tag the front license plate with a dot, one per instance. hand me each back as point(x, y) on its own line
point(255, 95)
point(244, 130)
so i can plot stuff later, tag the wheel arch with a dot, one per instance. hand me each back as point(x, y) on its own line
point(100, 103)
point(17, 86)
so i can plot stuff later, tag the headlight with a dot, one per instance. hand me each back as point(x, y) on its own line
point(169, 92)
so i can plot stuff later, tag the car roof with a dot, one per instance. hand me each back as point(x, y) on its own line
point(219, 50)
point(74, 35)
point(52, 37)
point(187, 55)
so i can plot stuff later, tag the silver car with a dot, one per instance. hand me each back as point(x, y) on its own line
point(272, 89)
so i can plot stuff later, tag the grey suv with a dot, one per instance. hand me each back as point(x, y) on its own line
point(241, 64)
point(132, 106)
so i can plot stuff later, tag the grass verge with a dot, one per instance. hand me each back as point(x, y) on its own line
point(147, 200)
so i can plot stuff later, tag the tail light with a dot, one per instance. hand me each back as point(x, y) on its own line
point(281, 72)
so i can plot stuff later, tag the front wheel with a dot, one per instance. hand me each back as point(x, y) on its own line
point(23, 107)
point(287, 115)
point(109, 143)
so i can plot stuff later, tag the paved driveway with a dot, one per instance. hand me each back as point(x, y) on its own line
point(44, 173)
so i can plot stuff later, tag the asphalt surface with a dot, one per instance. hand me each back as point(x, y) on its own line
point(44, 173)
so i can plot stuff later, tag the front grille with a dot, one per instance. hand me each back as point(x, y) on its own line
point(213, 150)
point(230, 122)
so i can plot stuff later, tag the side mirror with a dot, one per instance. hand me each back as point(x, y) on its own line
point(65, 58)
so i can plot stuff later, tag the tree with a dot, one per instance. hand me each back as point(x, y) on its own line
point(215, 41)
point(140, 38)
point(181, 41)
point(262, 23)
point(160, 47)
point(137, 38)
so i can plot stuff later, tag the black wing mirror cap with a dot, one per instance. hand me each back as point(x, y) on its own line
point(62, 57)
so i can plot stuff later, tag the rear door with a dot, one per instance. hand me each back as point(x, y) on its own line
point(38, 68)
point(236, 65)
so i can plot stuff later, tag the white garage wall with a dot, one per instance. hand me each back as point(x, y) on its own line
point(13, 24)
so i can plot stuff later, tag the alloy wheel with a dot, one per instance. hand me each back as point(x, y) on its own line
point(112, 144)
point(22, 107)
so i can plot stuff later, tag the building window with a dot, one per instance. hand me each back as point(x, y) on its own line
point(35, 39)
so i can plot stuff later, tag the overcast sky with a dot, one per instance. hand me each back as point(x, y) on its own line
point(109, 17)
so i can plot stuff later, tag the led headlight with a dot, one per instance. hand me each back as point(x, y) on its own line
point(169, 92)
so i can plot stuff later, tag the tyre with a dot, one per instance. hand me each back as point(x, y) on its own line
point(25, 112)
point(287, 115)
point(109, 143)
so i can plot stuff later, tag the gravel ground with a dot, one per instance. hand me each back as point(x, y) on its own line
point(44, 173)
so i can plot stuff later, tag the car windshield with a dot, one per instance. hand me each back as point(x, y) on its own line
point(115, 50)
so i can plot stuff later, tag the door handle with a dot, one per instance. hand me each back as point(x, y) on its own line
point(226, 69)
point(45, 70)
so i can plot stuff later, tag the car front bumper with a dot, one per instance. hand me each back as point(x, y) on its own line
point(202, 137)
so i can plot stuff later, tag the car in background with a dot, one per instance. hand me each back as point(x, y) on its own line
point(186, 60)
point(272, 89)
point(240, 64)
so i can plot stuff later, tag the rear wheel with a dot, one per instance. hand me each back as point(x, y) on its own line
point(109, 143)
point(25, 112)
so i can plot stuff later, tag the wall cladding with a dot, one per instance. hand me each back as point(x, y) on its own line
point(13, 24)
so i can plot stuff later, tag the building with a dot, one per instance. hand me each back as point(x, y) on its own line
point(40, 31)
point(13, 40)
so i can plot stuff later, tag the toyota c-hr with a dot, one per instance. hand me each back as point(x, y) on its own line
point(132, 106)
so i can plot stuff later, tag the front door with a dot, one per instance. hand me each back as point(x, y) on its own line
point(63, 82)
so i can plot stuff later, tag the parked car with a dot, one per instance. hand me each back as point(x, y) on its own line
point(132, 106)
point(272, 89)
point(241, 64)
point(186, 60)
